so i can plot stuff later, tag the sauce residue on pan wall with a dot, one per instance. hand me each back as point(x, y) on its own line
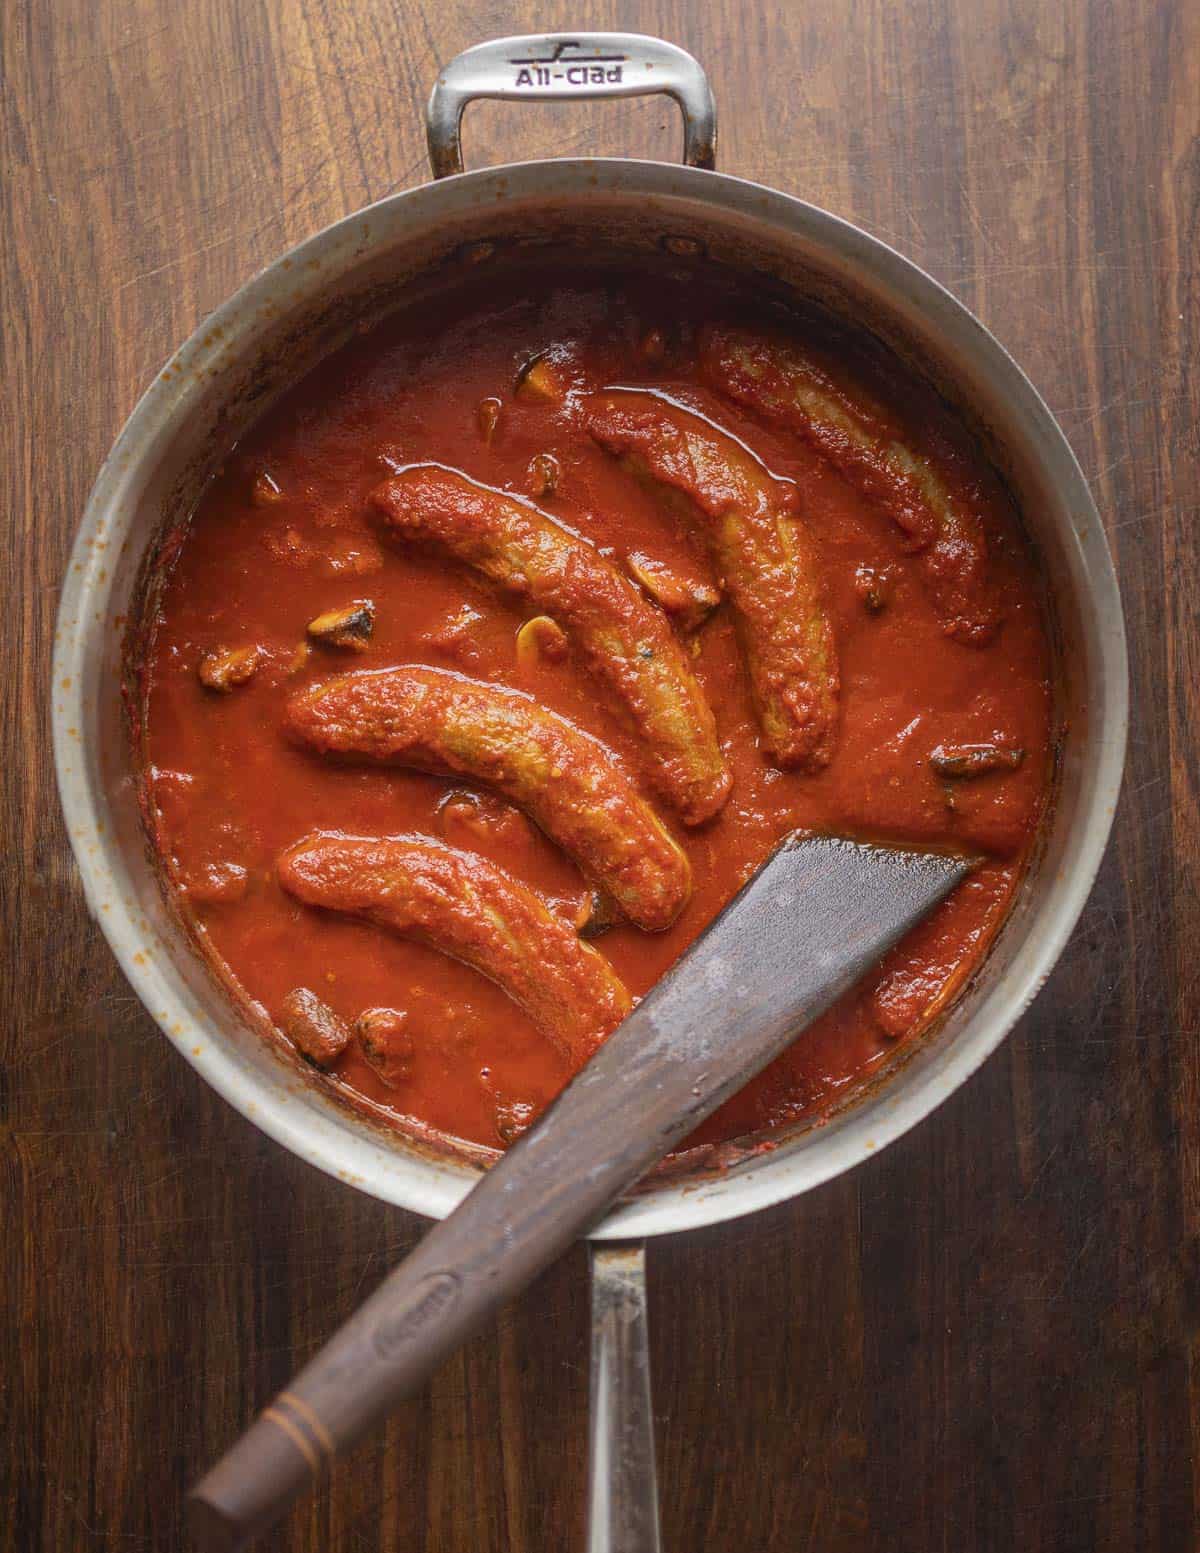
point(288, 533)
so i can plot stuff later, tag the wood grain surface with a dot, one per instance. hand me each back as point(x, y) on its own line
point(989, 1337)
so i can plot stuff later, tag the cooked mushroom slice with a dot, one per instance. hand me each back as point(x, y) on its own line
point(350, 627)
point(540, 640)
point(974, 760)
point(386, 1042)
point(540, 380)
point(873, 584)
point(313, 1028)
point(543, 472)
point(513, 1117)
point(689, 600)
point(488, 416)
point(265, 491)
point(225, 667)
point(597, 913)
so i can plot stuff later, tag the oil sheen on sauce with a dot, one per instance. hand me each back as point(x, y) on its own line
point(285, 532)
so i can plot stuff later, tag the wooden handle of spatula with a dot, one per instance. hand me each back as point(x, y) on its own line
point(771, 962)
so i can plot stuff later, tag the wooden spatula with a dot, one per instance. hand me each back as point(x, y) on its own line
point(813, 918)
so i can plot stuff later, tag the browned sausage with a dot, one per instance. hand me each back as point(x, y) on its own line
point(760, 548)
point(792, 390)
point(567, 781)
point(466, 907)
point(621, 637)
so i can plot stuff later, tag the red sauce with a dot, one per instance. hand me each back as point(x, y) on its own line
point(286, 532)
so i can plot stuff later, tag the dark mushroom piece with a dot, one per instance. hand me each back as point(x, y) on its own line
point(386, 1043)
point(873, 584)
point(958, 761)
point(488, 417)
point(513, 1117)
point(350, 627)
point(313, 1028)
point(597, 913)
point(543, 474)
point(265, 491)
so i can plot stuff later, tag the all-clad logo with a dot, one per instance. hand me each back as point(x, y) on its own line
point(565, 63)
point(432, 1297)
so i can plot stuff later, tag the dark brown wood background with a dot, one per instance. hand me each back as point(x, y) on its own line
point(985, 1339)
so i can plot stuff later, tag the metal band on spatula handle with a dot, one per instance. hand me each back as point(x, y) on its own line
point(817, 915)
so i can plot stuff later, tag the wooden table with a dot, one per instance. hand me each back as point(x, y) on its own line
point(985, 1339)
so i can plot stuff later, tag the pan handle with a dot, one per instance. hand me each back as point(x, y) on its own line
point(622, 1512)
point(559, 66)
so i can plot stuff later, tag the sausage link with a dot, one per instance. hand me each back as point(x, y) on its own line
point(568, 782)
point(760, 548)
point(465, 907)
point(624, 641)
point(862, 441)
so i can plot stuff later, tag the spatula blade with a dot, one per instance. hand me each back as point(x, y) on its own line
point(817, 915)
point(808, 924)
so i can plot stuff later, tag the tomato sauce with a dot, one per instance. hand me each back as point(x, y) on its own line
point(286, 532)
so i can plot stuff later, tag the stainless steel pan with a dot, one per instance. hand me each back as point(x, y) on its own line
point(299, 308)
